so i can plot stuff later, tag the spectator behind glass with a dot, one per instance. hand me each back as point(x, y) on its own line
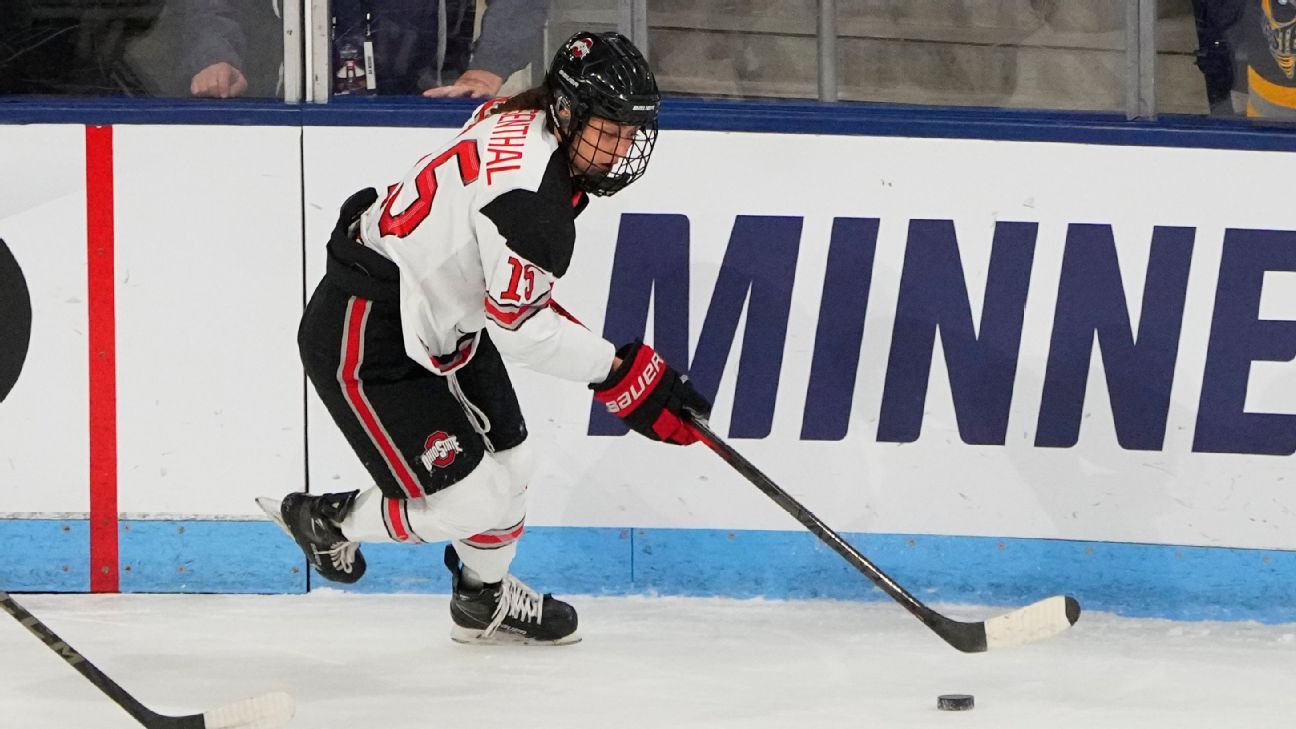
point(1216, 56)
point(231, 47)
point(419, 46)
point(426, 46)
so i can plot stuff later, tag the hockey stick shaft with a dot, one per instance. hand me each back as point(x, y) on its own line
point(816, 526)
point(1036, 621)
point(267, 711)
point(120, 696)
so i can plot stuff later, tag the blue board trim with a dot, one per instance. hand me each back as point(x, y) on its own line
point(104, 111)
point(44, 555)
point(779, 117)
point(1139, 580)
point(209, 556)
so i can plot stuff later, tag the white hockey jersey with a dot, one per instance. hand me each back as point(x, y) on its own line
point(480, 231)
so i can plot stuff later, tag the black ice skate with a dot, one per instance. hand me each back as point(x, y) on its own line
point(507, 612)
point(312, 522)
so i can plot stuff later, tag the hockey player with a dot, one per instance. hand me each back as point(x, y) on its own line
point(426, 288)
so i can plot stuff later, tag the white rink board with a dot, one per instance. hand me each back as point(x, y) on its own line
point(207, 242)
point(208, 298)
point(1093, 491)
point(42, 220)
point(209, 264)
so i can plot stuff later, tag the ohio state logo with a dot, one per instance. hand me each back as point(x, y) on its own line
point(581, 47)
point(440, 449)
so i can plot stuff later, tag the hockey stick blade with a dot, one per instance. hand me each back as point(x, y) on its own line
point(1034, 622)
point(269, 711)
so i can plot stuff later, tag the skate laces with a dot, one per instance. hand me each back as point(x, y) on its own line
point(517, 601)
point(342, 554)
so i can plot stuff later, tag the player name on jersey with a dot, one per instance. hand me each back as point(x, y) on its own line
point(504, 146)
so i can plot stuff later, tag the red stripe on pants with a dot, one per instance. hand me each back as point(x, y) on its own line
point(400, 529)
point(350, 377)
point(496, 538)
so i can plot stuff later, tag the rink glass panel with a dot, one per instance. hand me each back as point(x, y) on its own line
point(1020, 54)
point(138, 48)
point(1136, 57)
point(1140, 58)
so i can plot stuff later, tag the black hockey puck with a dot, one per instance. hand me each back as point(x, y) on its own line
point(955, 702)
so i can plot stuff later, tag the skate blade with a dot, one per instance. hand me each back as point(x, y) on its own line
point(469, 636)
point(271, 508)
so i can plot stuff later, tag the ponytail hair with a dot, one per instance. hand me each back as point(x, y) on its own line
point(536, 98)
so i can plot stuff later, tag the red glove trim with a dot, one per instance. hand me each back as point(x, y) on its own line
point(642, 378)
point(673, 429)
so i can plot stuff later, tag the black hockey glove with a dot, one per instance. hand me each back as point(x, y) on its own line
point(651, 396)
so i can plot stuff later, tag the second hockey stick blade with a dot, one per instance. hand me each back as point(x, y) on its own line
point(1036, 621)
point(268, 711)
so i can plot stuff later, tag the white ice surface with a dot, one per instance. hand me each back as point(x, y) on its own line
point(385, 662)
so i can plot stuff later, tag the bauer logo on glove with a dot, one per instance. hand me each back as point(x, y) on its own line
point(635, 392)
point(651, 397)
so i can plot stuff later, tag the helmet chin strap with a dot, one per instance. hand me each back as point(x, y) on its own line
point(561, 111)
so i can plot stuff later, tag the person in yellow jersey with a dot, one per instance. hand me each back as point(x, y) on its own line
point(1271, 59)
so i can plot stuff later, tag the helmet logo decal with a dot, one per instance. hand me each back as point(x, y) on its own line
point(581, 47)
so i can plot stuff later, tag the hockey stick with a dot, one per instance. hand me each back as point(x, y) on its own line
point(1034, 622)
point(268, 711)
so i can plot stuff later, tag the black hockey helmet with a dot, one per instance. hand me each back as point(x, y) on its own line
point(603, 75)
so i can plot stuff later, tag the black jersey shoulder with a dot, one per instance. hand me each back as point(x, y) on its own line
point(541, 224)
